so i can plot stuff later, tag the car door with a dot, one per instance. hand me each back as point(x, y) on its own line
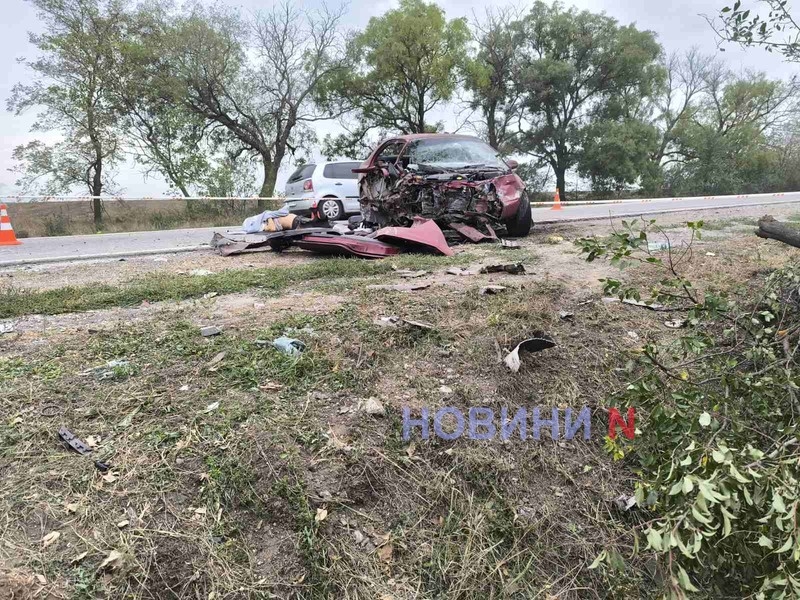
point(390, 152)
point(383, 158)
point(344, 183)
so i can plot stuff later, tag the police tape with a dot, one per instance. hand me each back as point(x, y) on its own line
point(665, 199)
point(37, 199)
point(53, 198)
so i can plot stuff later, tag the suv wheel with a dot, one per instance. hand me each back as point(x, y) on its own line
point(330, 209)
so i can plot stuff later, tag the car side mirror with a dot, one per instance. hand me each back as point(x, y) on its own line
point(512, 164)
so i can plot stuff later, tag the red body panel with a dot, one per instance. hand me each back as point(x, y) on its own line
point(346, 245)
point(424, 233)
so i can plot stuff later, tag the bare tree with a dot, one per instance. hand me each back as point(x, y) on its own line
point(687, 77)
point(750, 99)
point(490, 76)
point(262, 99)
point(164, 136)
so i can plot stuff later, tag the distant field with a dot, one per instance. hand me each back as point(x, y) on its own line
point(40, 219)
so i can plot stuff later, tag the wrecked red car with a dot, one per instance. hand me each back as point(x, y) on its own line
point(459, 181)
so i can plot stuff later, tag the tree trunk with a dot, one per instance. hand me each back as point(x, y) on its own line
point(268, 187)
point(97, 190)
point(561, 181)
point(491, 125)
point(769, 228)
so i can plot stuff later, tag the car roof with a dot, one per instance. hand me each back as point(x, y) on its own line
point(428, 136)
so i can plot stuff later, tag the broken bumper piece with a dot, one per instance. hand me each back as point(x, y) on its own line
point(423, 236)
point(346, 245)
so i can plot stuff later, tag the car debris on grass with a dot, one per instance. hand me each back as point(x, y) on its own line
point(536, 343)
point(418, 193)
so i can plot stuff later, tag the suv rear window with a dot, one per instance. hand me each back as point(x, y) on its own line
point(302, 172)
point(341, 170)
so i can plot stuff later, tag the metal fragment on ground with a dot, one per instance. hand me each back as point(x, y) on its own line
point(472, 234)
point(418, 324)
point(410, 274)
point(394, 321)
point(210, 330)
point(565, 315)
point(493, 289)
point(640, 303)
point(238, 243)
point(391, 321)
point(289, 345)
point(459, 271)
point(108, 370)
point(73, 441)
point(511, 268)
point(400, 287)
point(510, 244)
point(424, 235)
point(675, 323)
point(536, 343)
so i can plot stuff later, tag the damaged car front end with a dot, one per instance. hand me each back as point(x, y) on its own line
point(458, 181)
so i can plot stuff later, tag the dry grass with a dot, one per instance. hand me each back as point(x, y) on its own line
point(40, 219)
point(227, 502)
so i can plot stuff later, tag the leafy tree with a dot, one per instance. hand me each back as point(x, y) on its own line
point(69, 86)
point(616, 153)
point(575, 64)
point(259, 96)
point(724, 147)
point(785, 143)
point(231, 177)
point(717, 459)
point(404, 64)
point(777, 31)
point(163, 134)
point(489, 76)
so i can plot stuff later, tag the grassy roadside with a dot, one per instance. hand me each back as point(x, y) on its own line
point(287, 488)
point(15, 302)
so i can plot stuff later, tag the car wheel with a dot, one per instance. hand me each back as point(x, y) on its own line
point(520, 224)
point(330, 209)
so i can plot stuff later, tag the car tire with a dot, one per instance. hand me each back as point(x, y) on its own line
point(520, 225)
point(330, 209)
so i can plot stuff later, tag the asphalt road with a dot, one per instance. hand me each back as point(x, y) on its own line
point(56, 249)
point(628, 208)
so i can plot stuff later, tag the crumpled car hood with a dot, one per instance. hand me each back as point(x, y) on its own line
point(390, 196)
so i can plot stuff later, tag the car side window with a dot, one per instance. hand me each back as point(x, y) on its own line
point(391, 151)
point(341, 170)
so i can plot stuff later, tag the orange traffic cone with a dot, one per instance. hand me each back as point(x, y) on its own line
point(556, 201)
point(7, 237)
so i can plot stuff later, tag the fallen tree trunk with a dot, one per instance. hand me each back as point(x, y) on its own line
point(769, 228)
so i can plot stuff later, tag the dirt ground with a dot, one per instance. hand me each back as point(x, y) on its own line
point(237, 471)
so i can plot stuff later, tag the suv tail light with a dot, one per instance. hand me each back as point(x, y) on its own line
point(308, 186)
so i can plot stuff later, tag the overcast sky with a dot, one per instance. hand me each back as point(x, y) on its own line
point(678, 23)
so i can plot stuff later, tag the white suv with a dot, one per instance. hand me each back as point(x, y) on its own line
point(329, 189)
